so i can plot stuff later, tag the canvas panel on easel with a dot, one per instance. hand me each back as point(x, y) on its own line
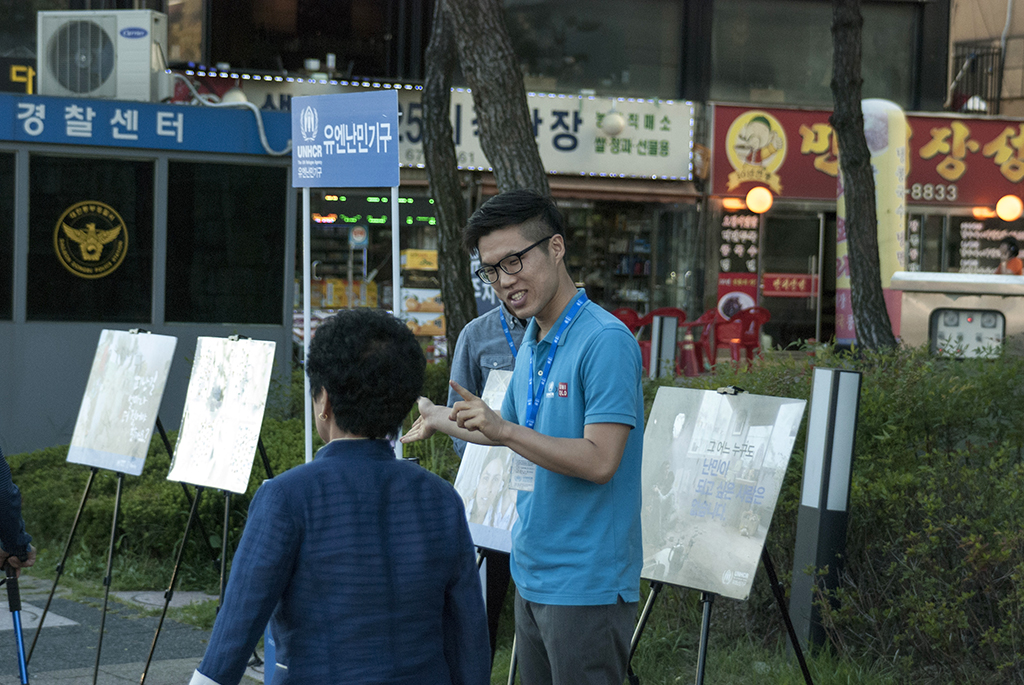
point(220, 427)
point(484, 478)
point(712, 471)
point(121, 402)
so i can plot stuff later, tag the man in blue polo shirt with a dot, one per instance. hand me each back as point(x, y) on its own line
point(574, 414)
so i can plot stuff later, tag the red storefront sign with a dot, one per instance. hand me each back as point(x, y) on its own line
point(789, 285)
point(953, 160)
point(736, 291)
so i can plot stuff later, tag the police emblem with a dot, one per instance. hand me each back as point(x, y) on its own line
point(90, 239)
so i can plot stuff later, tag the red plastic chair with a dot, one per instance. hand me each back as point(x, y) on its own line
point(629, 317)
point(742, 333)
point(703, 331)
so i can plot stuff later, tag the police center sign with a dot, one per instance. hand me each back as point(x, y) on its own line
point(345, 140)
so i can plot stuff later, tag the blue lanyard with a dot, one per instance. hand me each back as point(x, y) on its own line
point(508, 334)
point(533, 398)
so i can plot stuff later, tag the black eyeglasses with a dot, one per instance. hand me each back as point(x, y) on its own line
point(513, 264)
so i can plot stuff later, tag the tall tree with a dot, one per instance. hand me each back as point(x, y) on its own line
point(442, 170)
point(472, 34)
point(874, 330)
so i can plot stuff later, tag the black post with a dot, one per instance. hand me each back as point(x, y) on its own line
point(707, 599)
point(780, 598)
point(174, 579)
point(188, 495)
point(656, 586)
point(63, 558)
point(224, 547)
point(824, 511)
point(106, 578)
point(263, 455)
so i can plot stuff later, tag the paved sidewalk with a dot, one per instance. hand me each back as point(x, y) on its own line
point(65, 652)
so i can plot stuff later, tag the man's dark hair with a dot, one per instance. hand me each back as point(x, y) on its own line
point(1011, 243)
point(536, 213)
point(371, 367)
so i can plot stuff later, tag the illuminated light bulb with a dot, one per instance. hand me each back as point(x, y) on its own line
point(759, 200)
point(1009, 208)
point(733, 204)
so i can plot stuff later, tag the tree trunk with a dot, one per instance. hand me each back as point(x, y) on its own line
point(472, 33)
point(492, 72)
point(874, 330)
point(442, 171)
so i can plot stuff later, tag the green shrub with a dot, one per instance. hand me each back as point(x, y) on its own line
point(931, 584)
point(930, 587)
point(154, 511)
point(435, 382)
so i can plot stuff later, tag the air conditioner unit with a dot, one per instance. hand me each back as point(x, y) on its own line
point(116, 54)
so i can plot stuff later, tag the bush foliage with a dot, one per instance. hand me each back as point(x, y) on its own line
point(933, 579)
point(932, 584)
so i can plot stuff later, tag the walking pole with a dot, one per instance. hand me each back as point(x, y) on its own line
point(14, 600)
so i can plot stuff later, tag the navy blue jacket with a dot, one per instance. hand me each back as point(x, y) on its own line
point(366, 568)
point(13, 538)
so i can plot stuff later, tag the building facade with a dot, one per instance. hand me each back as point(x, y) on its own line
point(629, 106)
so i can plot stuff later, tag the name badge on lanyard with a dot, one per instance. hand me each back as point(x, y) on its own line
point(524, 471)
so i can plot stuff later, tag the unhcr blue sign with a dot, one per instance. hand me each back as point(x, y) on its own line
point(348, 140)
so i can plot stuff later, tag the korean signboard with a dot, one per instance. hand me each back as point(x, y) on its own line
point(952, 160)
point(112, 123)
point(655, 141)
point(345, 140)
point(17, 75)
point(738, 253)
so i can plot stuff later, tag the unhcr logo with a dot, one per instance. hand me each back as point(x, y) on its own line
point(308, 123)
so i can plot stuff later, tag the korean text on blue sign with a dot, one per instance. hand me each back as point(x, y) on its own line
point(348, 140)
point(112, 123)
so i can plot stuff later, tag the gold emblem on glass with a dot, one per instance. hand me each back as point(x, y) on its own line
point(90, 239)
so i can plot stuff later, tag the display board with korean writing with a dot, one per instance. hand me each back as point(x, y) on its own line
point(712, 472)
point(738, 253)
point(484, 477)
point(113, 123)
point(979, 243)
point(952, 159)
point(220, 426)
point(575, 134)
point(345, 140)
point(122, 397)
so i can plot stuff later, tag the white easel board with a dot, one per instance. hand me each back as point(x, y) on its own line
point(483, 480)
point(121, 402)
point(220, 427)
point(712, 472)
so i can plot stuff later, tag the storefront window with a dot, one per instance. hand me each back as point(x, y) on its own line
point(225, 243)
point(350, 243)
point(566, 45)
point(781, 52)
point(6, 234)
point(90, 239)
point(610, 251)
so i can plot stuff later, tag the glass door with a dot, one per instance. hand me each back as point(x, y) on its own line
point(797, 276)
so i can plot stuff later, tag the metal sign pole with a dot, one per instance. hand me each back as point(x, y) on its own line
point(346, 140)
point(396, 278)
point(307, 285)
